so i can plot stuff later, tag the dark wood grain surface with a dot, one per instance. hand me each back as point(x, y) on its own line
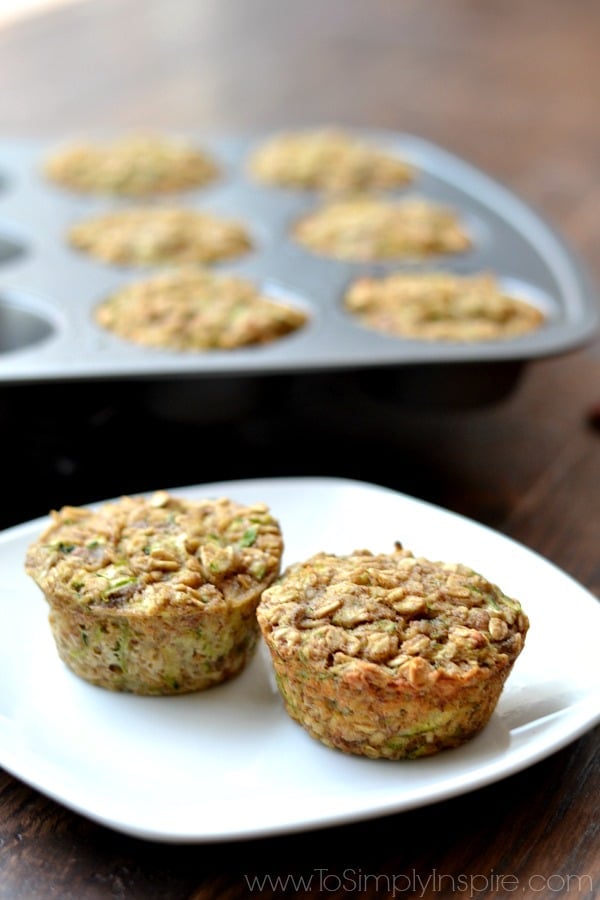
point(513, 88)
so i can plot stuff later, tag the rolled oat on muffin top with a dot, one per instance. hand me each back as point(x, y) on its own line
point(364, 228)
point(329, 159)
point(131, 165)
point(441, 306)
point(389, 656)
point(156, 595)
point(194, 309)
point(150, 235)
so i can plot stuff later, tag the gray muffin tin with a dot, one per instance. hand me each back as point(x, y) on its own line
point(48, 291)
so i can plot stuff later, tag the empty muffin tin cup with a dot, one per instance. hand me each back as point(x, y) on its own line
point(21, 326)
point(10, 249)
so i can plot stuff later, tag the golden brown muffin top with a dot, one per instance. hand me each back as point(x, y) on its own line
point(193, 309)
point(440, 306)
point(417, 618)
point(150, 235)
point(328, 159)
point(363, 228)
point(131, 165)
point(138, 556)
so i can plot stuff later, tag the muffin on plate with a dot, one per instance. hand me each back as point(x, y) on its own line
point(194, 309)
point(150, 235)
point(156, 595)
point(329, 159)
point(135, 165)
point(365, 228)
point(389, 656)
point(440, 306)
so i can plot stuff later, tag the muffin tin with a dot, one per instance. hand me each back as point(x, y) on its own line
point(48, 290)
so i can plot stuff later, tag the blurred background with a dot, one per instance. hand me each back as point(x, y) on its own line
point(510, 87)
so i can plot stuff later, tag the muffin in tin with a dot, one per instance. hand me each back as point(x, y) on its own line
point(156, 595)
point(368, 228)
point(390, 656)
point(440, 306)
point(328, 159)
point(143, 236)
point(195, 309)
point(132, 165)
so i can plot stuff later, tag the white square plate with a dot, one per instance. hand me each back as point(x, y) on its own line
point(228, 763)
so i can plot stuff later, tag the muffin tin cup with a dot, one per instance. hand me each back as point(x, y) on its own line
point(48, 291)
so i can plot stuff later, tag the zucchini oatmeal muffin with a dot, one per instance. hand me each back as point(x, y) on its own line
point(440, 306)
point(193, 309)
point(327, 159)
point(363, 229)
point(152, 235)
point(389, 656)
point(156, 595)
point(132, 165)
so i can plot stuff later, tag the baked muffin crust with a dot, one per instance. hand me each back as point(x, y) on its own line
point(150, 235)
point(194, 309)
point(327, 159)
point(440, 306)
point(134, 165)
point(389, 656)
point(156, 595)
point(363, 228)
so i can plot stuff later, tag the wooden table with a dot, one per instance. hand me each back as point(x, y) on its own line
point(510, 86)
